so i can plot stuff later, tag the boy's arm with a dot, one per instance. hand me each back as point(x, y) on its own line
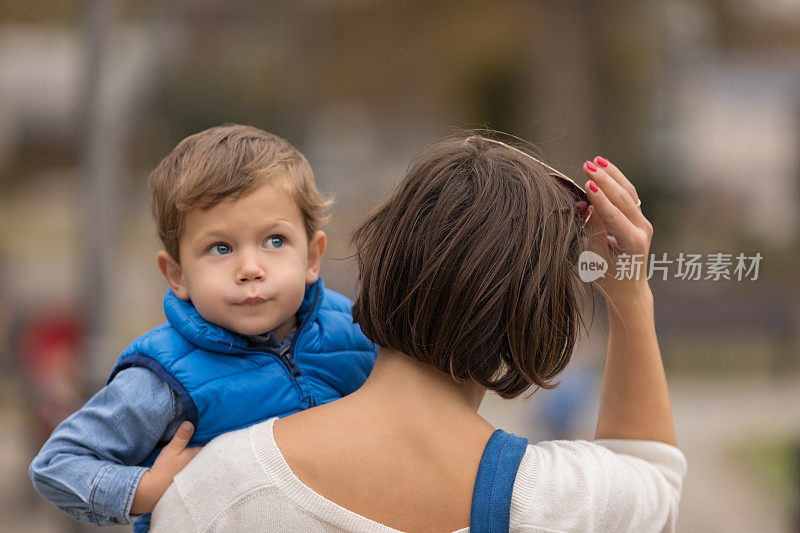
point(83, 468)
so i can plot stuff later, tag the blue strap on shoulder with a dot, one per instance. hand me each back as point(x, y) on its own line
point(491, 497)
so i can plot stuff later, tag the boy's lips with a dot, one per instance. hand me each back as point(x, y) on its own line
point(253, 300)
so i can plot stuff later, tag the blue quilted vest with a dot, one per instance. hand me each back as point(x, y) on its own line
point(227, 381)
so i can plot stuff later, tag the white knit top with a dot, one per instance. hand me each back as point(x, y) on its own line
point(241, 482)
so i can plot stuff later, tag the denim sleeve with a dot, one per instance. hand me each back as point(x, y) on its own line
point(85, 469)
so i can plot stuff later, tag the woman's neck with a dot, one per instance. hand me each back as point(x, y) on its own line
point(402, 381)
point(410, 432)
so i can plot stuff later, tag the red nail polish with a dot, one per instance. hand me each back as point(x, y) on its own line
point(593, 185)
point(602, 161)
point(591, 166)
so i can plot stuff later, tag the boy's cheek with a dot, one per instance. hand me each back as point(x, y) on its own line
point(209, 276)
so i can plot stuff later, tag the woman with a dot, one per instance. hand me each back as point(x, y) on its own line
point(468, 283)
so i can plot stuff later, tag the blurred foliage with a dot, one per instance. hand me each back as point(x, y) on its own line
point(37, 12)
point(719, 357)
point(773, 462)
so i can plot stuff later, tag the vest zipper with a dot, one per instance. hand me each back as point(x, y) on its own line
point(286, 357)
point(288, 353)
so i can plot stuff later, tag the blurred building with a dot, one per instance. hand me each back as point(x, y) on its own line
point(729, 120)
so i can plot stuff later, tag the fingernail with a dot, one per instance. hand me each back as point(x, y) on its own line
point(593, 185)
point(186, 428)
point(602, 161)
point(581, 206)
point(591, 166)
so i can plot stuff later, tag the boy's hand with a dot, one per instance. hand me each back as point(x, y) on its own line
point(172, 459)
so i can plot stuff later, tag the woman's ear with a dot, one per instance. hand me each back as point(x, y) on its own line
point(316, 248)
point(173, 273)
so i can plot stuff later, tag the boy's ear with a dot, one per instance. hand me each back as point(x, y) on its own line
point(173, 273)
point(316, 247)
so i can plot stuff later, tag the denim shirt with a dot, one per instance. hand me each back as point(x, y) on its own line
point(85, 469)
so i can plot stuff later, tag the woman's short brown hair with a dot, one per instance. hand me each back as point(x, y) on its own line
point(229, 162)
point(471, 266)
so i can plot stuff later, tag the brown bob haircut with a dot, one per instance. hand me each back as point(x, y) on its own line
point(228, 162)
point(470, 266)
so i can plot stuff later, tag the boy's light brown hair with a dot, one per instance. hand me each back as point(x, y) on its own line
point(228, 162)
point(470, 266)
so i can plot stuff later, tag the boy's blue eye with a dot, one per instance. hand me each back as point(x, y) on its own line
point(274, 242)
point(219, 249)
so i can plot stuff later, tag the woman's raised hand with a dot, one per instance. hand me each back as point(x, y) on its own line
point(635, 399)
point(617, 226)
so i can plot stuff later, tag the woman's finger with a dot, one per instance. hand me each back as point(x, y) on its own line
point(618, 196)
point(618, 176)
point(614, 220)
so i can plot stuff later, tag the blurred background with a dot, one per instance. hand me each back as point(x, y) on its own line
point(698, 101)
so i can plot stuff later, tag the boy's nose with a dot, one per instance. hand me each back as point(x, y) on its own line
point(250, 275)
point(250, 270)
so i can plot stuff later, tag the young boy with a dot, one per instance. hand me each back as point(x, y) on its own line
point(251, 332)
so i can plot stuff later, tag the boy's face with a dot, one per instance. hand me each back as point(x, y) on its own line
point(244, 263)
